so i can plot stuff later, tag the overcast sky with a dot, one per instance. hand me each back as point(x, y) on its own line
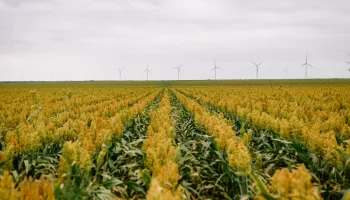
point(91, 39)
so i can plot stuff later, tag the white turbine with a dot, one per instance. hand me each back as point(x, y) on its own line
point(306, 64)
point(215, 67)
point(349, 63)
point(257, 68)
point(120, 73)
point(178, 71)
point(147, 70)
point(286, 73)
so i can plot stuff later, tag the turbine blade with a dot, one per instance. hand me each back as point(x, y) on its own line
point(310, 65)
point(180, 66)
point(254, 63)
point(261, 63)
point(303, 65)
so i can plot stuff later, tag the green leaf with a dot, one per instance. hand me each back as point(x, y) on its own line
point(123, 142)
point(135, 187)
point(209, 186)
point(132, 165)
point(57, 192)
point(282, 141)
point(105, 194)
point(112, 182)
point(111, 164)
point(27, 166)
point(146, 178)
point(269, 167)
point(15, 175)
point(261, 187)
point(137, 141)
point(74, 168)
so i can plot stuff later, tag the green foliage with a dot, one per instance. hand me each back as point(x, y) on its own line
point(124, 159)
point(205, 172)
point(34, 164)
point(78, 185)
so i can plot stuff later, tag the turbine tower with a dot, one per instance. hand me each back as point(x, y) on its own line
point(215, 67)
point(178, 71)
point(120, 73)
point(147, 70)
point(257, 68)
point(306, 64)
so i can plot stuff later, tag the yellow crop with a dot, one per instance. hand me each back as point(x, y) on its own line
point(312, 116)
point(50, 118)
point(224, 136)
point(99, 134)
point(27, 189)
point(293, 185)
point(73, 139)
point(161, 154)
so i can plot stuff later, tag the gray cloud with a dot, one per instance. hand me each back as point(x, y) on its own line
point(65, 39)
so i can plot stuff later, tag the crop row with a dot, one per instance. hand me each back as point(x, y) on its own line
point(161, 154)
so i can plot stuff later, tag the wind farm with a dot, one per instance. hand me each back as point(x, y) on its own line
point(124, 136)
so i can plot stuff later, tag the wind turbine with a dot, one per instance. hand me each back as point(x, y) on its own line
point(306, 65)
point(147, 70)
point(349, 62)
point(257, 68)
point(178, 71)
point(215, 67)
point(286, 73)
point(120, 73)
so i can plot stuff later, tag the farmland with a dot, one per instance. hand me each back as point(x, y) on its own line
point(265, 139)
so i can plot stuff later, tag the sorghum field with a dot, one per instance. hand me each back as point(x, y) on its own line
point(175, 140)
